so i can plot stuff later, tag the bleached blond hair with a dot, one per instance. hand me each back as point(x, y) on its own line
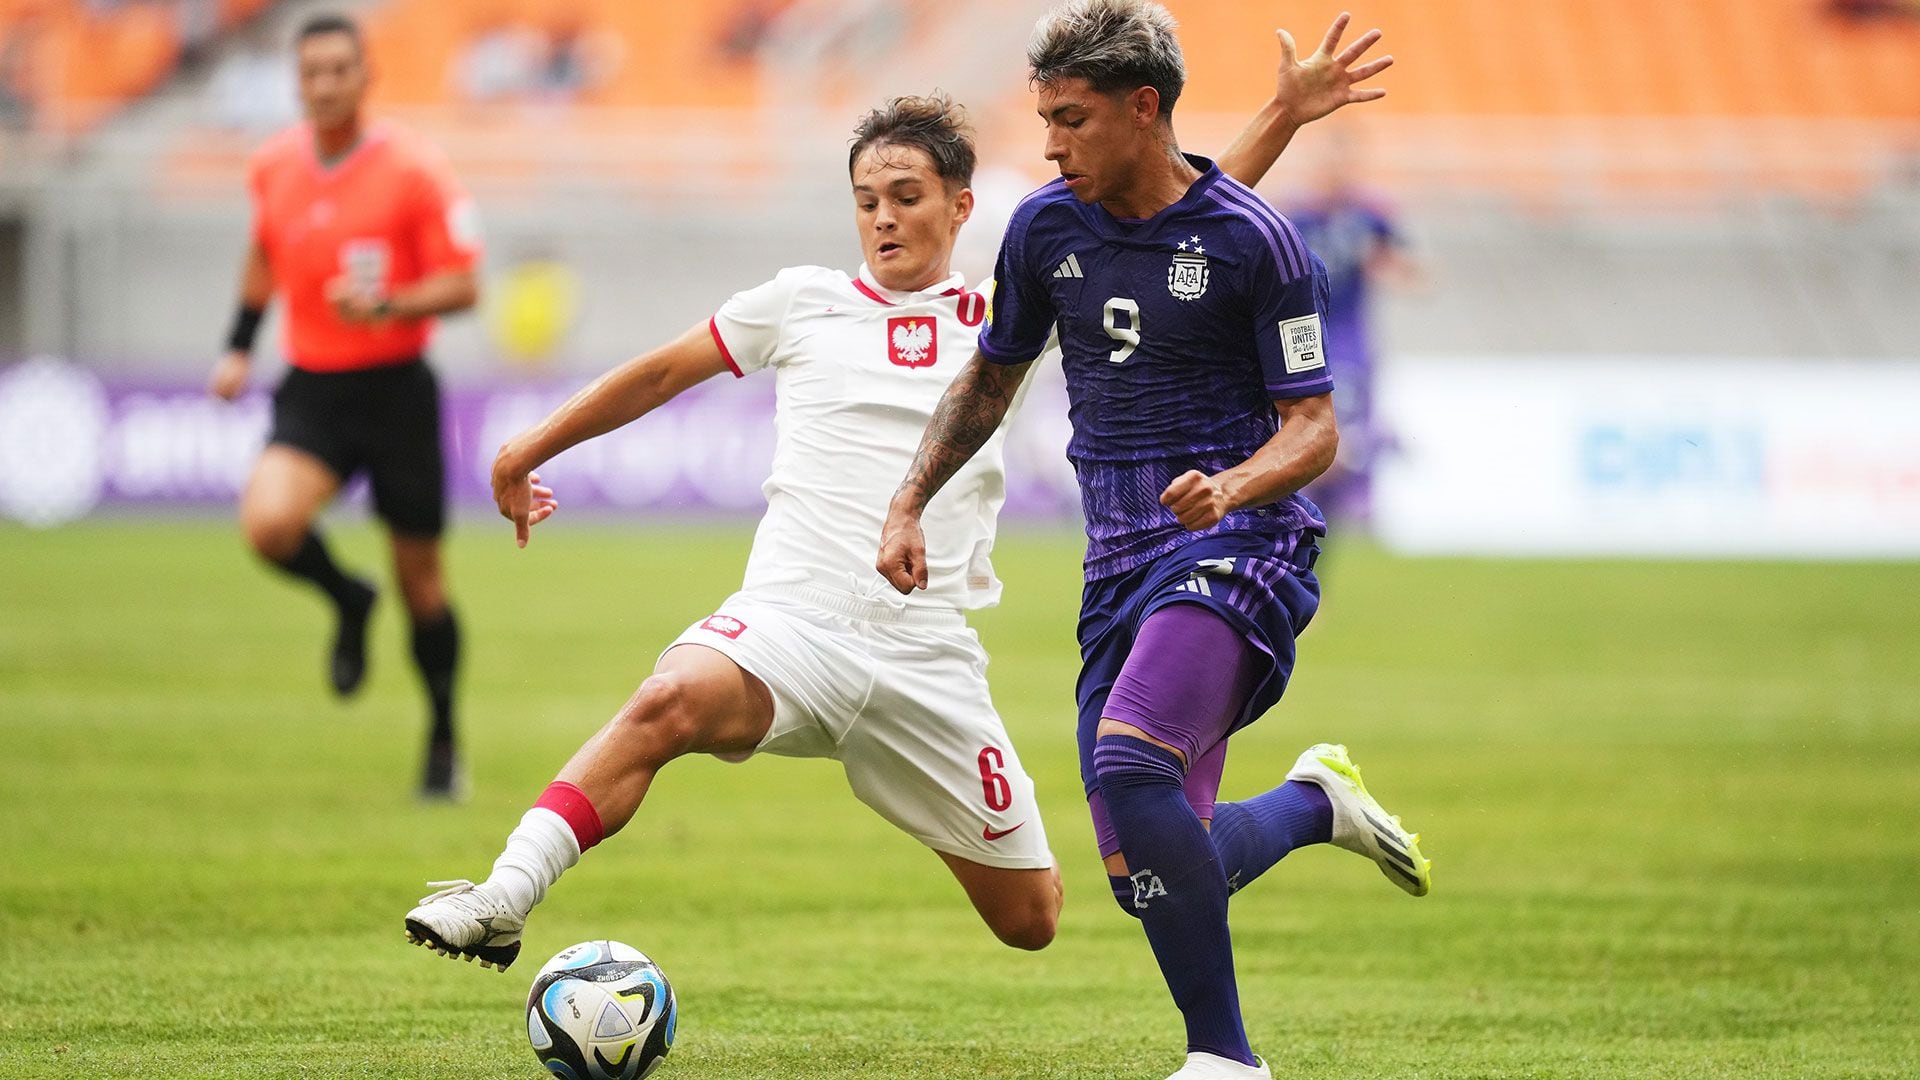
point(1118, 46)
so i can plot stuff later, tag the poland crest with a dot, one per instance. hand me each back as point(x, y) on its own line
point(911, 342)
point(1187, 276)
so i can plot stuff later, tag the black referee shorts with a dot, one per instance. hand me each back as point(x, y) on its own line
point(385, 420)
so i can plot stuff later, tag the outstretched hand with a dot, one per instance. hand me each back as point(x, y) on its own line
point(522, 499)
point(1326, 80)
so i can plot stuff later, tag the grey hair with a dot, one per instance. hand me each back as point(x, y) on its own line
point(1116, 45)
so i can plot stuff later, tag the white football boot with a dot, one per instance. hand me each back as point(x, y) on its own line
point(460, 920)
point(1201, 1066)
point(1360, 824)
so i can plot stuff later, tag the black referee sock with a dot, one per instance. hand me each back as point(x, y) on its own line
point(352, 601)
point(436, 649)
point(313, 563)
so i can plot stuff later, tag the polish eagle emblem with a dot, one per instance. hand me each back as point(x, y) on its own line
point(910, 342)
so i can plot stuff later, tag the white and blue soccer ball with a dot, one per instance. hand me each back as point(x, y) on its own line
point(601, 1010)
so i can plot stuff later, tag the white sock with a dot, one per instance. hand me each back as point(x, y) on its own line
point(538, 851)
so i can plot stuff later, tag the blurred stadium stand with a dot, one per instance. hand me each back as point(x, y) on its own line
point(1733, 177)
point(68, 65)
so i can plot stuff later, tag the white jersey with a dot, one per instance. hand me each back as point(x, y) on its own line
point(858, 371)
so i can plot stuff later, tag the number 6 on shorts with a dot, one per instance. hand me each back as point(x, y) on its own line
point(999, 794)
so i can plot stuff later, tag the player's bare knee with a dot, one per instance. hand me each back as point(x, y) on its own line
point(662, 718)
point(425, 607)
point(417, 568)
point(1031, 927)
point(1031, 922)
point(275, 536)
point(424, 596)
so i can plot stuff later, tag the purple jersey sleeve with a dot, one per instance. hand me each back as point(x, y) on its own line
point(1290, 331)
point(1021, 316)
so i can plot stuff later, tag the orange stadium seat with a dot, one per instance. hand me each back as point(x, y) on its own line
point(1607, 96)
point(86, 63)
point(1589, 58)
point(668, 79)
point(669, 55)
point(235, 12)
point(1541, 99)
point(97, 63)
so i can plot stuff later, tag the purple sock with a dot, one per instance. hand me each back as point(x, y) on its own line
point(1178, 889)
point(1202, 788)
point(1253, 834)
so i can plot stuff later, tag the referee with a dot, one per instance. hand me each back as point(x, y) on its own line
point(366, 235)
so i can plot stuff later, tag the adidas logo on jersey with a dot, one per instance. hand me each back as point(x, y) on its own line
point(1070, 268)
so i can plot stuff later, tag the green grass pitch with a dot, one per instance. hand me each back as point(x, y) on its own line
point(1672, 810)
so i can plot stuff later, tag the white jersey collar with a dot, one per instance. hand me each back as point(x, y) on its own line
point(954, 285)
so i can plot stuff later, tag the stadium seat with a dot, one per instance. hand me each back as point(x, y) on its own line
point(1544, 100)
point(1625, 96)
point(84, 62)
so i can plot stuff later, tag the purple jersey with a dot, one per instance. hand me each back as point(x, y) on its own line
point(1177, 334)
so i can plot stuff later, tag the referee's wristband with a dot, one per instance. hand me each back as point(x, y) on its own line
point(246, 327)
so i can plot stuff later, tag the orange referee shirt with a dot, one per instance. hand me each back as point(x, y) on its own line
point(387, 215)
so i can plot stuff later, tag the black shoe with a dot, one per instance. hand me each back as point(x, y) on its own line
point(443, 780)
point(349, 666)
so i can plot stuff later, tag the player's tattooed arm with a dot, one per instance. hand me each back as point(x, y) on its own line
point(971, 410)
point(968, 414)
point(1305, 91)
point(1297, 454)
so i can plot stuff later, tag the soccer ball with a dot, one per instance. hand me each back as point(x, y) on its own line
point(601, 1011)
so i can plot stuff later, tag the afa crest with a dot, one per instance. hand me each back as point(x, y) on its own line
point(1188, 274)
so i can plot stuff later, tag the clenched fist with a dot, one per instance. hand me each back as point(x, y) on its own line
point(1197, 500)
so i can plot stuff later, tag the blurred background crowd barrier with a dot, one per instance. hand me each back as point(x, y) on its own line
point(1669, 288)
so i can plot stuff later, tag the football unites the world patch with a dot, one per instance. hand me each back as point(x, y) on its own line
point(1300, 338)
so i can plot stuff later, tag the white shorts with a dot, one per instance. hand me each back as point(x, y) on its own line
point(899, 698)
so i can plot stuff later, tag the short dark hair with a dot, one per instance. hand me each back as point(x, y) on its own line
point(330, 23)
point(1118, 46)
point(935, 124)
